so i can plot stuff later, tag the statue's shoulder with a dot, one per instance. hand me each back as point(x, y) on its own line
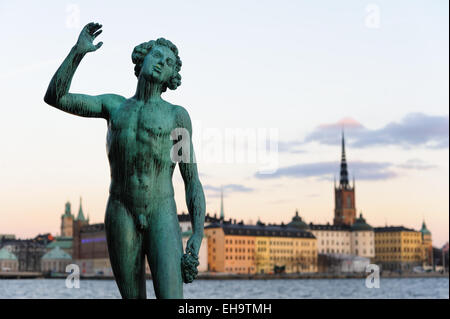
point(113, 100)
point(181, 116)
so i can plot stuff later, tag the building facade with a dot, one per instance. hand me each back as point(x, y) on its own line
point(8, 261)
point(56, 260)
point(28, 251)
point(357, 239)
point(249, 249)
point(398, 248)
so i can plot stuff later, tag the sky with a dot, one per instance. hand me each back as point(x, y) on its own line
point(286, 77)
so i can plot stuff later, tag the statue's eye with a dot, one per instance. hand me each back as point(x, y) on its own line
point(169, 62)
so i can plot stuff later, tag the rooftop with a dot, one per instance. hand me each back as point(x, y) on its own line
point(392, 229)
point(259, 230)
point(5, 254)
point(360, 224)
point(56, 253)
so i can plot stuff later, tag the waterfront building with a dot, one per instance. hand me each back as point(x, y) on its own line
point(28, 251)
point(332, 239)
point(55, 260)
point(362, 238)
point(91, 250)
point(249, 249)
point(357, 239)
point(398, 248)
point(65, 243)
point(8, 261)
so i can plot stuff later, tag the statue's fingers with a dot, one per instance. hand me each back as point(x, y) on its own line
point(89, 27)
point(92, 27)
point(98, 45)
point(194, 270)
point(96, 27)
point(97, 33)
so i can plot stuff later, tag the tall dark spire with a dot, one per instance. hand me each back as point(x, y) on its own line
point(222, 213)
point(344, 173)
point(80, 213)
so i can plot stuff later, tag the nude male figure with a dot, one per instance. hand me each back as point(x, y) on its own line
point(141, 217)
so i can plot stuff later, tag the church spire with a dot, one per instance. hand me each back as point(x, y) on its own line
point(222, 214)
point(344, 173)
point(80, 213)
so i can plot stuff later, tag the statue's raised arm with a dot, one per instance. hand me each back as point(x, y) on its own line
point(58, 95)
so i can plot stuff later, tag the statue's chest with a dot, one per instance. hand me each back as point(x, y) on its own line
point(142, 124)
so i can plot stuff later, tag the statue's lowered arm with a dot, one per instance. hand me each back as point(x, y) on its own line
point(58, 95)
point(195, 198)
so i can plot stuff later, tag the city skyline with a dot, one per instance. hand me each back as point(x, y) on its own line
point(303, 69)
point(342, 181)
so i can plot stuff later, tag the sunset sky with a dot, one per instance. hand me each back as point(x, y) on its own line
point(303, 70)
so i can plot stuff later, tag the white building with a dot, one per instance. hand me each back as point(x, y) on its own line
point(55, 260)
point(8, 261)
point(357, 239)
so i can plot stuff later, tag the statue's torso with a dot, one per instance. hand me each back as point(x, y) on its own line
point(138, 147)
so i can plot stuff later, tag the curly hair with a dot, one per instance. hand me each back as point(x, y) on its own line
point(141, 51)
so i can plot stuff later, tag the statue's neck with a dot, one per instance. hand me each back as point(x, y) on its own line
point(148, 91)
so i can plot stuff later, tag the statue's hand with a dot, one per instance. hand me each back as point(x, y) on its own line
point(189, 261)
point(85, 41)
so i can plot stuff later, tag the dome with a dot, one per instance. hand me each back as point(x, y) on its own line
point(297, 222)
point(424, 229)
point(360, 224)
point(56, 253)
point(5, 254)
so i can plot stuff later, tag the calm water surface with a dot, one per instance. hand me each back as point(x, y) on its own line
point(301, 288)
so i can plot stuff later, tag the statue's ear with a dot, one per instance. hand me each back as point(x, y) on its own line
point(175, 81)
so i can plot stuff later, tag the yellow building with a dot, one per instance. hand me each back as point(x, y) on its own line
point(249, 249)
point(398, 248)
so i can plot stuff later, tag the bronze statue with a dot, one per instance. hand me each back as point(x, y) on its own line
point(141, 216)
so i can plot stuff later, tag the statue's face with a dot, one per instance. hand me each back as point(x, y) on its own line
point(159, 64)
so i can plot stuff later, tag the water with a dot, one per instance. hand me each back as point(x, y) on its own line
point(272, 289)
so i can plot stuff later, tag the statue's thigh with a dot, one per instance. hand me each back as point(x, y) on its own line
point(164, 250)
point(125, 250)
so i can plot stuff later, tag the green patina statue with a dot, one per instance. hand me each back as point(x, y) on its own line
point(143, 145)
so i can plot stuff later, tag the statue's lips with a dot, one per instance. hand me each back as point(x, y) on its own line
point(156, 69)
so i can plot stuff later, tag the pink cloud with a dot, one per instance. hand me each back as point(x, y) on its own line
point(345, 122)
